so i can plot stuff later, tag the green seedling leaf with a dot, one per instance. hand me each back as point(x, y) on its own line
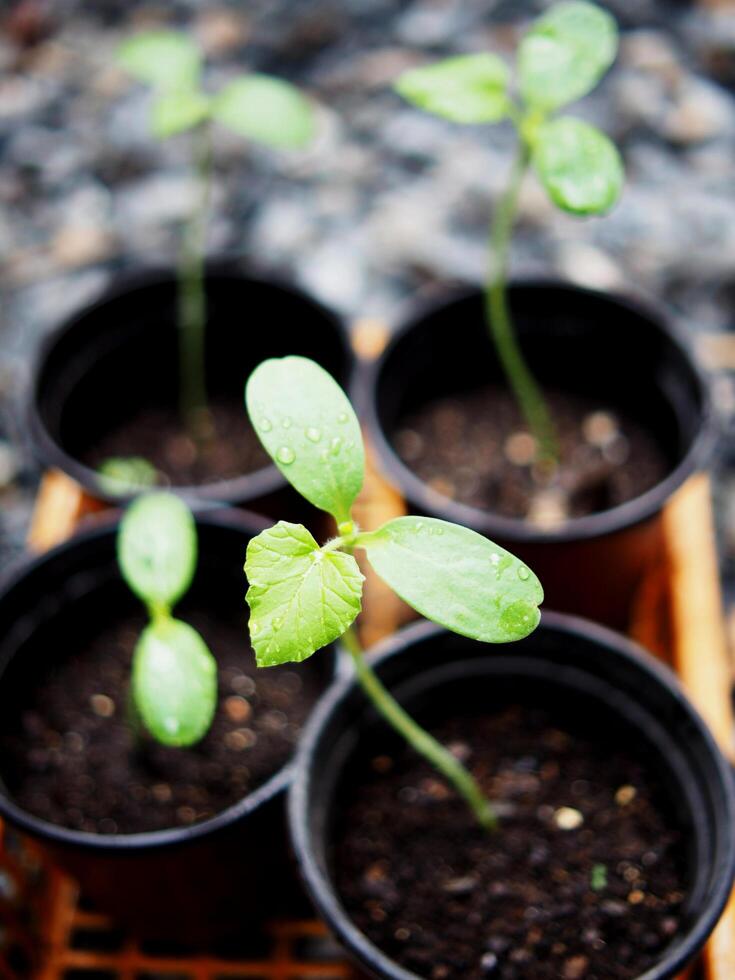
point(565, 54)
point(122, 475)
point(456, 577)
point(301, 596)
point(470, 88)
point(578, 165)
point(176, 112)
point(165, 59)
point(174, 682)
point(267, 110)
point(598, 877)
point(157, 549)
point(308, 428)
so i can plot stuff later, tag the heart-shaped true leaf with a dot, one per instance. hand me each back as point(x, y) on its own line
point(566, 53)
point(165, 59)
point(157, 549)
point(174, 682)
point(456, 577)
point(175, 112)
point(471, 88)
point(267, 110)
point(308, 427)
point(578, 165)
point(301, 596)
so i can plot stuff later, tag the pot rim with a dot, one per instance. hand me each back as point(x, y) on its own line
point(614, 519)
point(244, 488)
point(103, 526)
point(323, 892)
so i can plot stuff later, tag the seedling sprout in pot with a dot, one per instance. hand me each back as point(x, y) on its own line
point(559, 453)
point(466, 818)
point(140, 744)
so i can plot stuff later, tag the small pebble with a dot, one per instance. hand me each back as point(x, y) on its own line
point(567, 818)
point(625, 795)
point(549, 508)
point(460, 886)
point(186, 814)
point(237, 708)
point(520, 449)
point(402, 934)
point(240, 739)
point(600, 429)
point(636, 897)
point(102, 706)
point(243, 685)
point(382, 763)
point(575, 968)
point(162, 792)
point(489, 963)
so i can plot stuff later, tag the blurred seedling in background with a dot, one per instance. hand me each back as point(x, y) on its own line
point(173, 689)
point(560, 59)
point(258, 107)
point(303, 595)
point(123, 475)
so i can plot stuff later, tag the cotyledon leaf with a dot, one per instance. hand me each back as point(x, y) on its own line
point(456, 577)
point(165, 59)
point(174, 682)
point(267, 110)
point(469, 88)
point(301, 596)
point(157, 548)
point(309, 429)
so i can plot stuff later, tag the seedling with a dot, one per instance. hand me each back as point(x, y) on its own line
point(122, 475)
point(560, 59)
point(258, 107)
point(174, 678)
point(303, 595)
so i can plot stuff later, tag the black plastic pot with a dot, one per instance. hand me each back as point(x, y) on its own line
point(611, 349)
point(583, 670)
point(190, 883)
point(121, 353)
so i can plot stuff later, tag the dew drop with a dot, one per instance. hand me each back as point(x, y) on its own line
point(523, 573)
point(171, 725)
point(335, 445)
point(276, 624)
point(254, 627)
point(285, 455)
point(313, 434)
point(265, 424)
point(342, 418)
point(286, 421)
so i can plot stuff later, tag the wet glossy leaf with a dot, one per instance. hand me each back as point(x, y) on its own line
point(308, 427)
point(267, 110)
point(466, 89)
point(174, 682)
point(566, 53)
point(578, 165)
point(301, 597)
point(456, 577)
point(157, 549)
point(175, 112)
point(165, 59)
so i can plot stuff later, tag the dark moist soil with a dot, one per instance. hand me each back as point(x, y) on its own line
point(464, 447)
point(72, 759)
point(447, 901)
point(157, 435)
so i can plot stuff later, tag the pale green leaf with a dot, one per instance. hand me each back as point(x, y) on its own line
point(308, 427)
point(157, 549)
point(175, 112)
point(122, 475)
point(456, 577)
point(578, 165)
point(165, 59)
point(174, 682)
point(267, 110)
point(566, 53)
point(301, 596)
point(471, 88)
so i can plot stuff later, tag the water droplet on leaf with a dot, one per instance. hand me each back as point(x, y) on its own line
point(312, 434)
point(285, 455)
point(335, 445)
point(523, 573)
point(342, 418)
point(266, 425)
point(286, 421)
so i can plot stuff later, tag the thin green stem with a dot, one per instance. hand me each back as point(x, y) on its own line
point(500, 324)
point(419, 739)
point(192, 296)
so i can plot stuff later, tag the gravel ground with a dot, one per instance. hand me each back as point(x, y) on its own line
point(388, 203)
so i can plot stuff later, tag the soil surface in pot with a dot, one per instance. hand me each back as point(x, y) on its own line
point(474, 448)
point(585, 878)
point(71, 758)
point(157, 435)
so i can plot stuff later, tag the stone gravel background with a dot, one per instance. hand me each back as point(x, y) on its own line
point(388, 203)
